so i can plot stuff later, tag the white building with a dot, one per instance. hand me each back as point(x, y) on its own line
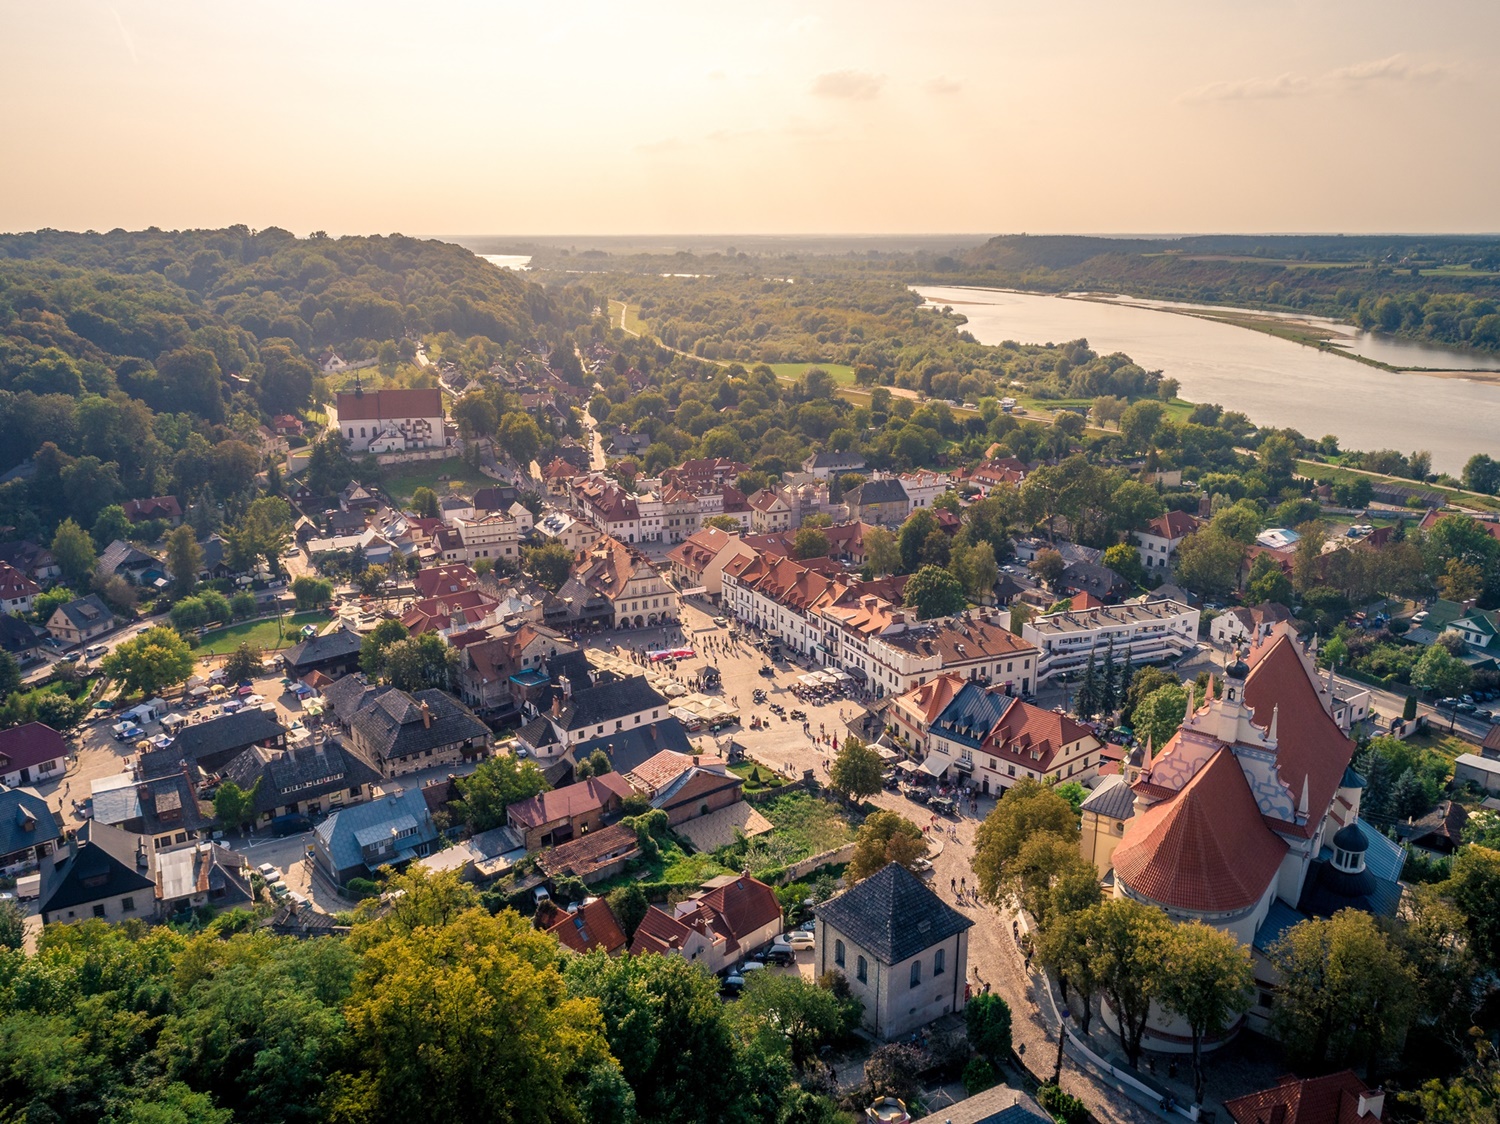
point(1154, 632)
point(1159, 539)
point(383, 421)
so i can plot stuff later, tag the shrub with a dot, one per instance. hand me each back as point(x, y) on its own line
point(979, 1075)
point(987, 1019)
point(1064, 1107)
point(361, 888)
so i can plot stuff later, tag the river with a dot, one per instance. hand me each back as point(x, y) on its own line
point(517, 262)
point(1274, 381)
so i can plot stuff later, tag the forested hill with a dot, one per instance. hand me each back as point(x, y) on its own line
point(134, 361)
point(1440, 288)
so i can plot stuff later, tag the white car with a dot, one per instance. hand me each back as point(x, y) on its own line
point(268, 872)
point(797, 940)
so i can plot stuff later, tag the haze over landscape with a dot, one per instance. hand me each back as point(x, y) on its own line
point(669, 117)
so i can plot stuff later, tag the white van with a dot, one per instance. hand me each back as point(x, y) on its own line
point(95, 651)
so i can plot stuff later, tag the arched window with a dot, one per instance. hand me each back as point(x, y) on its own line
point(838, 953)
point(351, 431)
point(861, 970)
point(938, 959)
point(916, 972)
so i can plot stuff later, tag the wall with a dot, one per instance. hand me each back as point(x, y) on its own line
point(807, 866)
point(893, 1007)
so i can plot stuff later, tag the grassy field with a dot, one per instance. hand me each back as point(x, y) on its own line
point(765, 778)
point(443, 476)
point(791, 372)
point(259, 634)
point(814, 824)
point(405, 375)
point(1316, 469)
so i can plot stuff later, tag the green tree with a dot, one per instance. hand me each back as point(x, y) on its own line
point(882, 554)
point(372, 650)
point(74, 551)
point(10, 675)
point(723, 523)
point(234, 807)
point(987, 1020)
point(809, 542)
point(1346, 994)
point(12, 925)
point(1208, 562)
point(1441, 672)
point(1268, 582)
point(1126, 940)
point(184, 559)
point(1047, 567)
point(885, 838)
point(857, 770)
point(1125, 560)
point(502, 1038)
point(151, 662)
point(1026, 809)
point(243, 663)
point(550, 565)
point(1157, 716)
point(934, 592)
point(109, 526)
point(424, 502)
point(1064, 948)
point(420, 663)
point(628, 904)
point(803, 1013)
point(977, 569)
point(312, 593)
point(667, 1028)
point(519, 437)
point(912, 537)
point(1474, 887)
point(1048, 871)
point(1086, 700)
point(1482, 474)
point(497, 783)
point(1208, 982)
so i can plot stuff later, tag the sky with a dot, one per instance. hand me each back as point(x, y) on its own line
point(767, 117)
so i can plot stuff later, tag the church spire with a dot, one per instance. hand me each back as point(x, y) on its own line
point(1302, 804)
point(1275, 714)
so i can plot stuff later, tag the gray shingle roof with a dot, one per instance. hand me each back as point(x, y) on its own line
point(17, 807)
point(103, 852)
point(390, 723)
point(86, 612)
point(212, 744)
point(892, 915)
point(339, 831)
point(888, 490)
point(606, 701)
point(299, 774)
point(336, 644)
point(1112, 799)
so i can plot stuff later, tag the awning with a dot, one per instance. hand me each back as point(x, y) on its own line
point(696, 591)
point(934, 768)
point(907, 766)
point(885, 753)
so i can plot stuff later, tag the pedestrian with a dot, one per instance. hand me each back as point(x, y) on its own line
point(953, 884)
point(964, 882)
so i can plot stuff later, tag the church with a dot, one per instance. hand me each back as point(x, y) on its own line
point(385, 421)
point(1248, 818)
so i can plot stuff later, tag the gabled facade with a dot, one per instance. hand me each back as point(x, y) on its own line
point(382, 421)
point(1159, 539)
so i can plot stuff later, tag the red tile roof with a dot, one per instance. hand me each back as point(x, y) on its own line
point(15, 585)
point(745, 905)
point(381, 405)
point(571, 800)
point(437, 580)
point(593, 926)
point(25, 746)
point(1024, 730)
point(1207, 849)
point(157, 507)
point(1173, 525)
point(1319, 1100)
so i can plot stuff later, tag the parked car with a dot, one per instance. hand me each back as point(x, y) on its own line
point(798, 939)
point(780, 954)
point(268, 872)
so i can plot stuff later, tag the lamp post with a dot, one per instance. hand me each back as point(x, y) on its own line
point(1062, 1038)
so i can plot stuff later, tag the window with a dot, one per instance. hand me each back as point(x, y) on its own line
point(127, 904)
point(916, 972)
point(98, 911)
point(838, 953)
point(937, 961)
point(861, 970)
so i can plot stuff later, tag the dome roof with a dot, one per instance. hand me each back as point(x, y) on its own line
point(1350, 838)
point(1352, 779)
point(1238, 668)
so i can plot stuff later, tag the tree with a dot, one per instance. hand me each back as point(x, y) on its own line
point(110, 525)
point(497, 783)
point(1441, 672)
point(1086, 700)
point(803, 1013)
point(184, 559)
point(934, 592)
point(1126, 939)
point(234, 806)
point(629, 905)
point(243, 663)
point(857, 770)
point(912, 537)
point(882, 554)
point(312, 593)
point(1047, 567)
point(550, 565)
point(885, 838)
point(1346, 994)
point(156, 659)
point(1208, 562)
point(1020, 614)
point(424, 502)
point(263, 533)
point(420, 663)
point(10, 675)
point(74, 551)
point(987, 1020)
point(1474, 887)
point(502, 1038)
point(1048, 871)
point(519, 437)
point(809, 542)
point(1207, 981)
point(372, 650)
point(1482, 474)
point(12, 925)
point(1027, 808)
point(977, 569)
point(1157, 716)
point(1063, 947)
point(667, 1028)
point(724, 523)
point(1268, 582)
point(1125, 560)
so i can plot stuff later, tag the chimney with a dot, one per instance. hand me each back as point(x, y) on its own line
point(1371, 1104)
point(426, 715)
point(556, 706)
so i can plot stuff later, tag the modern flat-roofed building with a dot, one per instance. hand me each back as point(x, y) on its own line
point(1154, 632)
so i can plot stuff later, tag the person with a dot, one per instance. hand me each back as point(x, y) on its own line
point(953, 884)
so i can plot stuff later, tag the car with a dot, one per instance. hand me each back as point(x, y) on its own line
point(1449, 702)
point(1466, 708)
point(1418, 618)
point(71, 657)
point(799, 939)
point(268, 871)
point(279, 889)
point(732, 983)
point(721, 622)
point(780, 954)
point(1484, 715)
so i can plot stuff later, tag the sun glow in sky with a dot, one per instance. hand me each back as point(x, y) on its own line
point(591, 117)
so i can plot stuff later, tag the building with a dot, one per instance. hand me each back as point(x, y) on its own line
point(1159, 539)
point(924, 486)
point(383, 421)
point(212, 744)
point(16, 590)
point(22, 639)
point(305, 780)
point(165, 508)
point(881, 501)
point(574, 533)
point(903, 950)
point(125, 560)
point(495, 673)
point(1021, 742)
point(202, 875)
point(723, 923)
point(1339, 1098)
point(80, 621)
point(1096, 580)
point(769, 513)
point(615, 584)
point(913, 712)
point(401, 732)
point(560, 814)
point(698, 561)
point(592, 857)
point(1248, 819)
point(28, 830)
point(824, 465)
point(355, 842)
point(30, 753)
point(686, 786)
point(163, 810)
point(1242, 624)
point(1477, 769)
point(334, 654)
point(1151, 632)
point(609, 507)
point(589, 926)
point(104, 874)
point(1104, 813)
point(36, 562)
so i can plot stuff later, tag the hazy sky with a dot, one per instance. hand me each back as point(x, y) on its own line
point(584, 117)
